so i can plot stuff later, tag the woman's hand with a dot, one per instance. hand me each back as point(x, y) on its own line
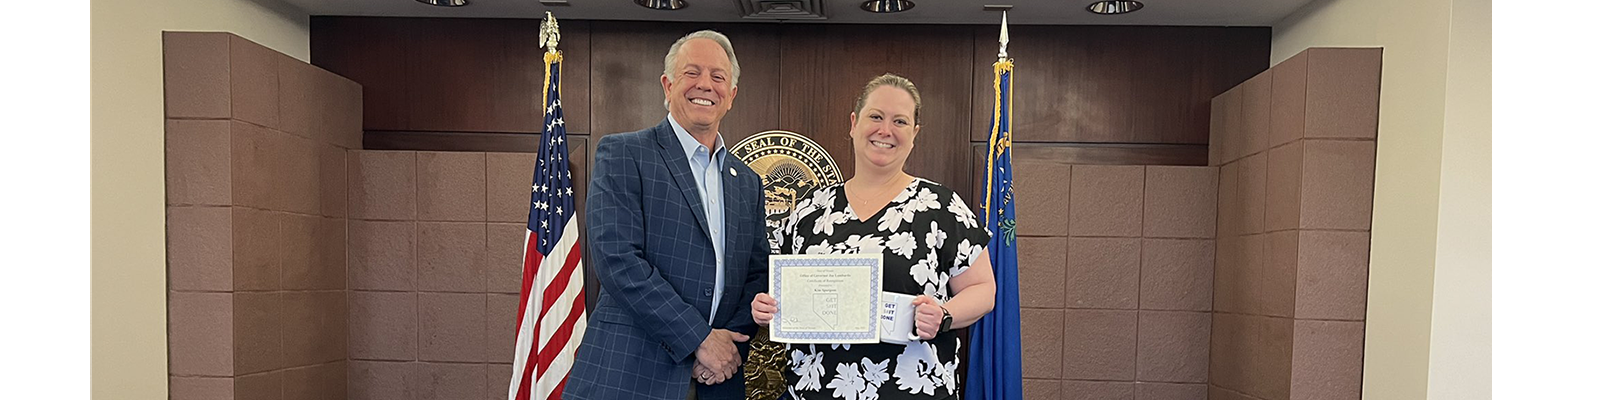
point(763, 308)
point(929, 315)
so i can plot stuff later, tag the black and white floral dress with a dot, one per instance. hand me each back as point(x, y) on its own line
point(927, 235)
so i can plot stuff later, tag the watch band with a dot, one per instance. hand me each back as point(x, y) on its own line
point(944, 323)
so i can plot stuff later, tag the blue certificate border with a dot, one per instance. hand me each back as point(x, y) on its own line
point(780, 262)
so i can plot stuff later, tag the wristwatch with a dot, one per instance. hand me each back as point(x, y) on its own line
point(944, 324)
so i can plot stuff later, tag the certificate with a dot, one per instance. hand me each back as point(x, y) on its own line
point(826, 298)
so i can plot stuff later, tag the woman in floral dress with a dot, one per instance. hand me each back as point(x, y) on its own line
point(932, 245)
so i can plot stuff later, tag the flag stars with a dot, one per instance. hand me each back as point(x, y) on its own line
point(551, 195)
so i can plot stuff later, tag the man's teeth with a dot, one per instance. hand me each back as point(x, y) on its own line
point(702, 102)
point(882, 145)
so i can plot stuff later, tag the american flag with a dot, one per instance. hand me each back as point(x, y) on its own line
point(550, 317)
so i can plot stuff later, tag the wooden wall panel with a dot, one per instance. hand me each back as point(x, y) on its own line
point(805, 104)
point(579, 152)
point(576, 48)
point(463, 80)
point(372, 52)
point(1115, 84)
point(1091, 94)
point(453, 75)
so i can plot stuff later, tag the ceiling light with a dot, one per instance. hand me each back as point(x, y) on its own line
point(887, 6)
point(444, 3)
point(1112, 7)
point(668, 5)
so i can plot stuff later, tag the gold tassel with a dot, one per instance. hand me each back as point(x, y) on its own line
point(549, 59)
point(998, 141)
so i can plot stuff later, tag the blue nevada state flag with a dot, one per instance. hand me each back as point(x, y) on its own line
point(995, 367)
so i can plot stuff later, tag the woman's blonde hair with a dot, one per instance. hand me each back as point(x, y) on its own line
point(895, 81)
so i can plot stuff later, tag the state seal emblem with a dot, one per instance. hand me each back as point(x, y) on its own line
point(791, 166)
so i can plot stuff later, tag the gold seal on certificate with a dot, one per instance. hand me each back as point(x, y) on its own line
point(826, 298)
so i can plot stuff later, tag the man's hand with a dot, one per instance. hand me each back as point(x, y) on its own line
point(718, 359)
point(705, 375)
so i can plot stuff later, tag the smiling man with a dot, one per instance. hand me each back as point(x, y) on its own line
point(677, 232)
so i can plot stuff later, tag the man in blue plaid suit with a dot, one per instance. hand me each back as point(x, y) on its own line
point(676, 228)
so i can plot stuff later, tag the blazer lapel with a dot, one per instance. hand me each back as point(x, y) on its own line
point(678, 165)
point(733, 214)
point(732, 187)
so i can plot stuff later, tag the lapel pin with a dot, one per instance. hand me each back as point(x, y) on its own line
point(735, 172)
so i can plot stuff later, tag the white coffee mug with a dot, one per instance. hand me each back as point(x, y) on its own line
point(897, 321)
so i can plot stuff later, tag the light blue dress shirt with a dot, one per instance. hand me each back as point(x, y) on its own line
point(708, 180)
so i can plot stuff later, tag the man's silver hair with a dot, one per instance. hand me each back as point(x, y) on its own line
point(672, 55)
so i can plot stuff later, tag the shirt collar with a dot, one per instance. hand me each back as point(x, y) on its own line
point(688, 141)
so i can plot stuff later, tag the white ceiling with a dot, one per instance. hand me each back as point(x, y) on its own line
point(1024, 12)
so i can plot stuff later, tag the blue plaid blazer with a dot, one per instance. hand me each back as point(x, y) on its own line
point(651, 250)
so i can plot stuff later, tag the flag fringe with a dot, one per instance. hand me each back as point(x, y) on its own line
point(550, 58)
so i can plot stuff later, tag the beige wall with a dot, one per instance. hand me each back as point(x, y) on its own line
point(128, 340)
point(1418, 40)
point(1459, 363)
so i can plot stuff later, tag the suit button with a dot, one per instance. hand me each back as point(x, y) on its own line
point(708, 292)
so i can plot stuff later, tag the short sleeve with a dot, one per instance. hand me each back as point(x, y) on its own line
point(966, 237)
